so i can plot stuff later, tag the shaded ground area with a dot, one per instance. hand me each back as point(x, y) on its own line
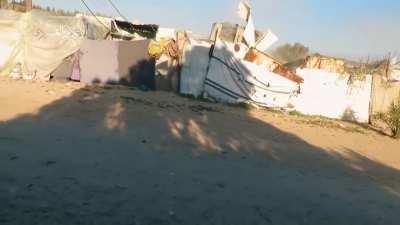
point(71, 154)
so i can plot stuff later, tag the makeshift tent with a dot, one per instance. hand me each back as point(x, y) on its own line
point(117, 62)
point(39, 41)
point(332, 95)
point(231, 79)
point(9, 34)
point(64, 70)
point(194, 67)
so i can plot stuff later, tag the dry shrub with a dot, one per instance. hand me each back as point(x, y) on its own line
point(392, 118)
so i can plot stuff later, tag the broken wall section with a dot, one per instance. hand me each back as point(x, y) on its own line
point(332, 95)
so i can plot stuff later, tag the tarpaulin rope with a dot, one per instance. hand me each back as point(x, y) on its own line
point(116, 9)
point(94, 15)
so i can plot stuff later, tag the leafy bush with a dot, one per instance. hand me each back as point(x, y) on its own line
point(392, 118)
point(290, 52)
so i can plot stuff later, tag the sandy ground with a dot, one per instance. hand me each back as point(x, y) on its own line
point(71, 154)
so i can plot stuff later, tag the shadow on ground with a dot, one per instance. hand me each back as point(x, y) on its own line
point(127, 157)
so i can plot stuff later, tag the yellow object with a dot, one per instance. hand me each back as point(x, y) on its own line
point(157, 48)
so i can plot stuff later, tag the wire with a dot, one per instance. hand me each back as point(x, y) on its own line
point(116, 9)
point(93, 14)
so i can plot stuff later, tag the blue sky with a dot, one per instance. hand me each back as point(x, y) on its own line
point(351, 28)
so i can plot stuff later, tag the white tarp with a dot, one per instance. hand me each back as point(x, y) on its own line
point(194, 68)
point(39, 42)
point(97, 27)
point(231, 79)
point(269, 39)
point(163, 32)
point(9, 34)
point(244, 10)
point(250, 33)
point(330, 95)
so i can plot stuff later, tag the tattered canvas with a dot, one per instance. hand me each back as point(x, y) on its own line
point(250, 33)
point(244, 10)
point(269, 39)
point(231, 79)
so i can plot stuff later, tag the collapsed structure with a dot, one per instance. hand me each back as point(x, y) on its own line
point(229, 66)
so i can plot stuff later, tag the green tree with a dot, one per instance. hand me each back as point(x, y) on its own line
point(392, 118)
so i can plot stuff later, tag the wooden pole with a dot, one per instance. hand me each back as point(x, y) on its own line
point(28, 5)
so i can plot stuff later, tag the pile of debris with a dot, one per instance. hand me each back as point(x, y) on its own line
point(232, 67)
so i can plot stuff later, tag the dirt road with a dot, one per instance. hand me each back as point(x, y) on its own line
point(72, 155)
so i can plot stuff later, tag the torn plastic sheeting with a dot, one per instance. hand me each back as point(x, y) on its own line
point(269, 39)
point(231, 79)
point(144, 30)
point(43, 43)
point(244, 10)
point(96, 27)
point(194, 69)
point(250, 33)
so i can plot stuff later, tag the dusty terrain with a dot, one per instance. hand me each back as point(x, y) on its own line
point(71, 154)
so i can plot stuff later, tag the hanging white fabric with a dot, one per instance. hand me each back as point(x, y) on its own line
point(244, 10)
point(250, 33)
